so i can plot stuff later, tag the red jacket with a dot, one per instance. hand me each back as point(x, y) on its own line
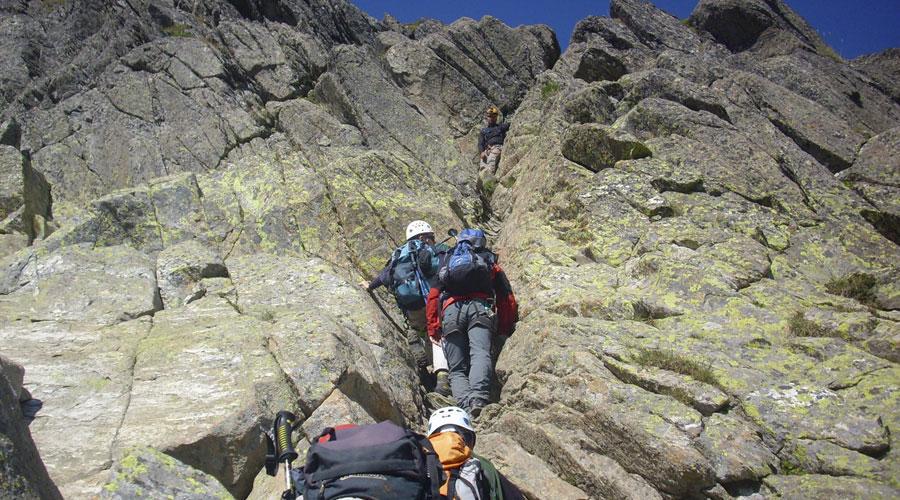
point(504, 300)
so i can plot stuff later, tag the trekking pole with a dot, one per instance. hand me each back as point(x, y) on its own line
point(284, 424)
point(450, 234)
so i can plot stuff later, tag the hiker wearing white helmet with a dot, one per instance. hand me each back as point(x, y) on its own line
point(408, 274)
point(468, 476)
point(452, 418)
point(419, 228)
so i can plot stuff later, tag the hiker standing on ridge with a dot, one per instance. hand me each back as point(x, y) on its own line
point(408, 274)
point(470, 302)
point(490, 143)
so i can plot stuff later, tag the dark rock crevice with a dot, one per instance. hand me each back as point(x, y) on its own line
point(37, 195)
point(743, 488)
point(792, 176)
point(887, 224)
point(270, 10)
point(264, 133)
point(831, 161)
point(122, 110)
point(271, 348)
point(242, 222)
point(130, 373)
point(671, 185)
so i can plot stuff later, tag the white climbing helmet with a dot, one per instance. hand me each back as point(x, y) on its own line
point(450, 415)
point(416, 228)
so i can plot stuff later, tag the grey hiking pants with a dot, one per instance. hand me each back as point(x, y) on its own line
point(467, 328)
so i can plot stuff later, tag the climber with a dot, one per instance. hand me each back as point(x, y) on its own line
point(468, 476)
point(470, 301)
point(408, 274)
point(490, 142)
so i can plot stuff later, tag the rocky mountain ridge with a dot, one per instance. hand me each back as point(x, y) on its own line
point(699, 219)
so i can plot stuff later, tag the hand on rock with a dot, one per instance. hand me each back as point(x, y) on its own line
point(364, 285)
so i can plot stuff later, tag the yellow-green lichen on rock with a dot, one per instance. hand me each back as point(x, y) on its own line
point(145, 471)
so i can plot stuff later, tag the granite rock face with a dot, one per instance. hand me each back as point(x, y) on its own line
point(704, 314)
point(191, 193)
point(699, 219)
point(22, 473)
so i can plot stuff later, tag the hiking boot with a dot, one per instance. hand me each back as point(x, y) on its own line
point(419, 354)
point(475, 410)
point(442, 385)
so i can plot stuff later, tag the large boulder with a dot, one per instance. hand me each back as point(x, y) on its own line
point(13, 376)
point(883, 68)
point(653, 27)
point(456, 71)
point(876, 177)
point(77, 283)
point(81, 374)
point(147, 471)
point(528, 473)
point(181, 268)
point(214, 368)
point(826, 486)
point(236, 356)
point(786, 50)
point(596, 147)
point(742, 25)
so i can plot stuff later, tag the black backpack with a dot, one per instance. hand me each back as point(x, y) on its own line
point(378, 461)
point(469, 268)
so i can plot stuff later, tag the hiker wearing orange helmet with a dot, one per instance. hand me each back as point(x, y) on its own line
point(490, 142)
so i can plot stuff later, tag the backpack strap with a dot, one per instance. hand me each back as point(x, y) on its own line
point(396, 466)
point(451, 487)
point(493, 481)
point(393, 265)
point(482, 484)
point(431, 468)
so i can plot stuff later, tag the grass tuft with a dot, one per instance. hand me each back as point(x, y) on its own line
point(177, 29)
point(548, 89)
point(413, 26)
point(267, 315)
point(52, 4)
point(799, 326)
point(699, 371)
point(855, 286)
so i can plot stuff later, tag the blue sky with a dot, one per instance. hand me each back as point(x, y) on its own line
point(850, 27)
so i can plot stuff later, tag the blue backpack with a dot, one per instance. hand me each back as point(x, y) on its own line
point(470, 265)
point(408, 281)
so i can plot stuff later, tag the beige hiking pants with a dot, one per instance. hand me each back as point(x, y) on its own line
point(418, 322)
point(489, 164)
